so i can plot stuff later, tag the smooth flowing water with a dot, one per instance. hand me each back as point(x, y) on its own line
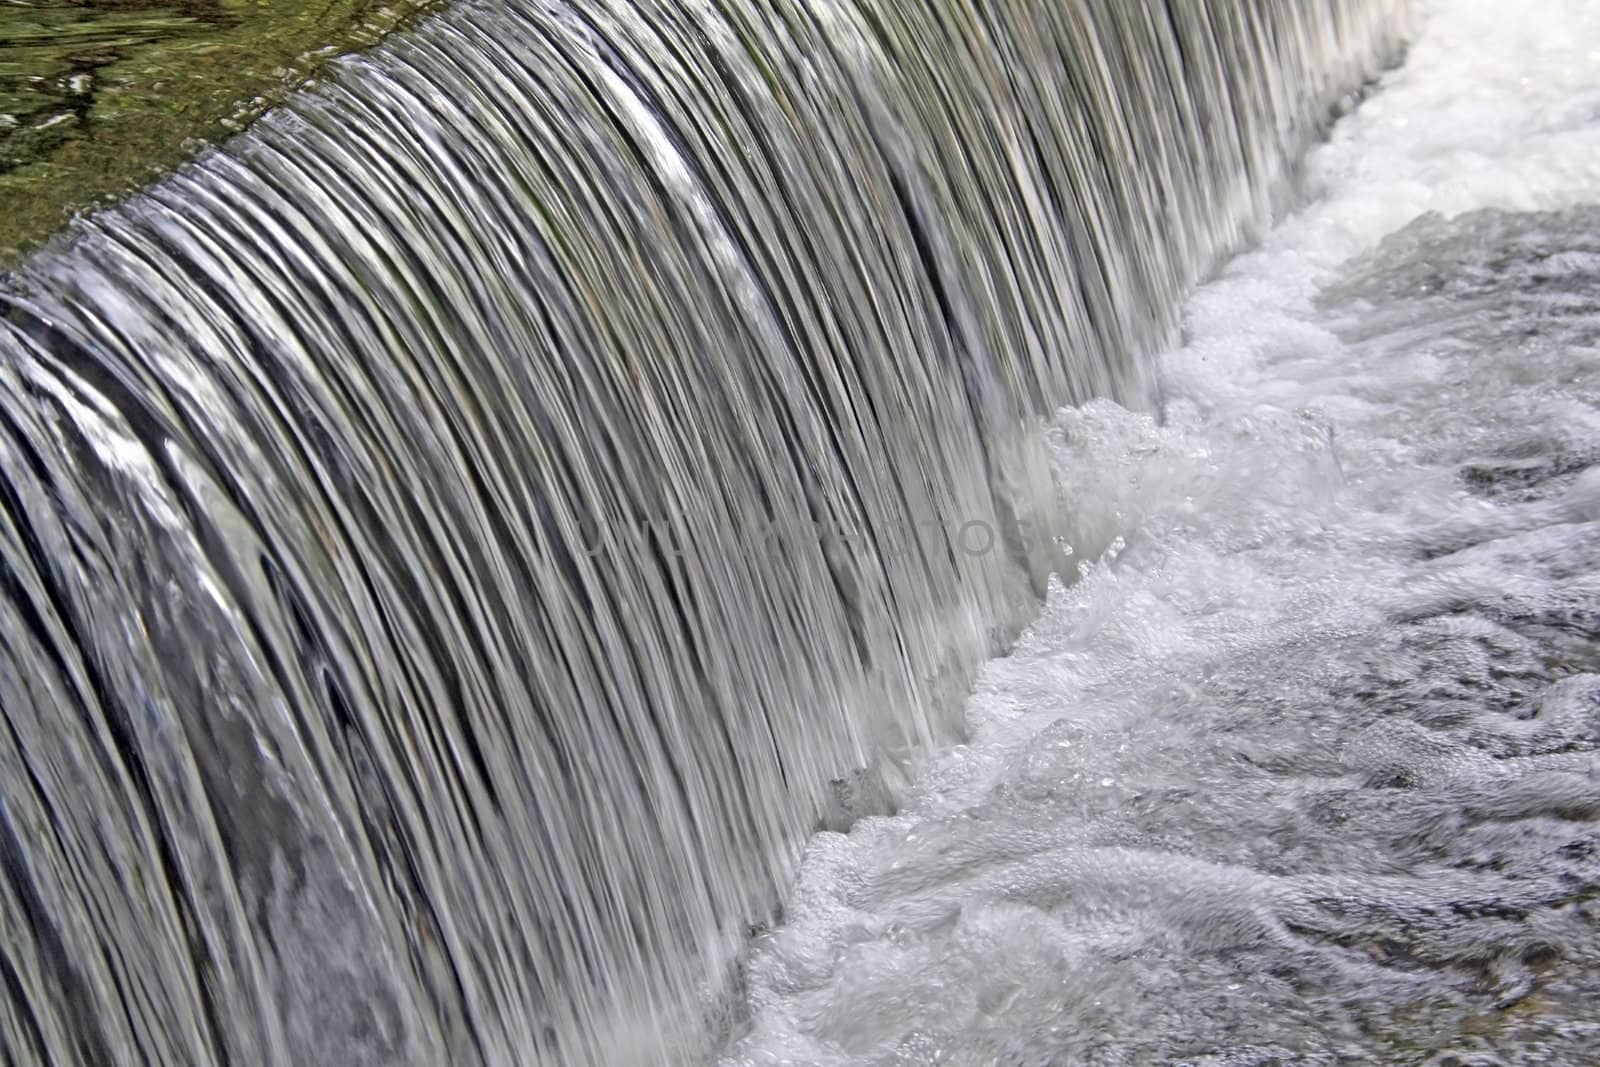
point(458, 539)
point(1306, 768)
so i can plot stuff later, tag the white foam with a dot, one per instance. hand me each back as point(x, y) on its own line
point(1303, 764)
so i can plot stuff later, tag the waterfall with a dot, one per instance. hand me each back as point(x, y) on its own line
point(460, 536)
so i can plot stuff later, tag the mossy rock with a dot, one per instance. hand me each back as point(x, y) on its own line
point(97, 98)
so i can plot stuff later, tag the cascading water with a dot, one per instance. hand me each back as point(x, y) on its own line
point(1305, 768)
point(453, 536)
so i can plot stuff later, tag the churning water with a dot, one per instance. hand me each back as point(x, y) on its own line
point(457, 540)
point(1306, 768)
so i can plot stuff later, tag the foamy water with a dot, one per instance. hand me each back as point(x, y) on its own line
point(1302, 767)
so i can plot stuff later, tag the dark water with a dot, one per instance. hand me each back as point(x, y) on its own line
point(457, 539)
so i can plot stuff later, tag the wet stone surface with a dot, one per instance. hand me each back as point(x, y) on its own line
point(98, 98)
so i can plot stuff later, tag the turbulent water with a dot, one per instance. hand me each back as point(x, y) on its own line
point(1304, 768)
point(458, 539)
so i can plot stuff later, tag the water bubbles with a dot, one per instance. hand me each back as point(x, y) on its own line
point(1305, 765)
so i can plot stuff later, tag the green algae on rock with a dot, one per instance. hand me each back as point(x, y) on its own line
point(98, 97)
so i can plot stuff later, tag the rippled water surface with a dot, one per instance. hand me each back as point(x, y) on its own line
point(1302, 766)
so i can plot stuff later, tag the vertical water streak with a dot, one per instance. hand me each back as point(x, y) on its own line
point(452, 536)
